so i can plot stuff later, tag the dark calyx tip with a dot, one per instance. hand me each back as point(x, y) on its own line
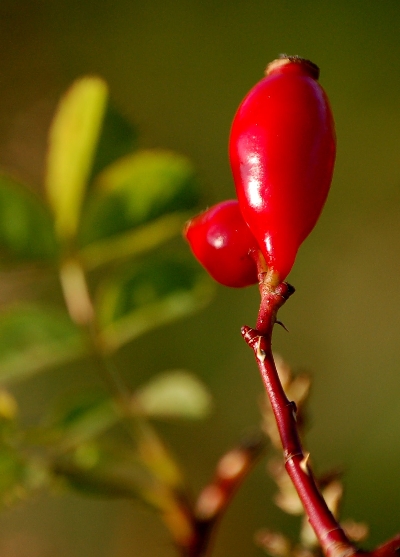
point(313, 68)
point(309, 67)
point(291, 289)
point(284, 290)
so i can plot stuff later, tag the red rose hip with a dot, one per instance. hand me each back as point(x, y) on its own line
point(222, 242)
point(282, 154)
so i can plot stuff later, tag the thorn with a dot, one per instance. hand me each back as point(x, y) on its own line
point(304, 463)
point(260, 353)
point(282, 325)
point(293, 406)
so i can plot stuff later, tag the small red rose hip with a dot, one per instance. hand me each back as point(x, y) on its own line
point(222, 242)
point(282, 153)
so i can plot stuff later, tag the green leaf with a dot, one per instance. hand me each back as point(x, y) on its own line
point(8, 408)
point(118, 138)
point(73, 138)
point(133, 242)
point(174, 394)
point(114, 473)
point(146, 296)
point(19, 475)
point(107, 477)
point(26, 229)
point(33, 339)
point(139, 188)
point(12, 472)
point(111, 472)
point(79, 418)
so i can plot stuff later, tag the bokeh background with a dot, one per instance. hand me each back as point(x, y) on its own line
point(179, 68)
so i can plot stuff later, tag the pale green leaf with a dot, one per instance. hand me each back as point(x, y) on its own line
point(136, 189)
point(73, 138)
point(174, 394)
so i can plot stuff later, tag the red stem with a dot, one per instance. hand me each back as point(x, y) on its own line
point(214, 499)
point(331, 537)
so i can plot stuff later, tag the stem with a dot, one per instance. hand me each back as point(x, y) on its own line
point(176, 509)
point(132, 243)
point(214, 499)
point(177, 512)
point(331, 537)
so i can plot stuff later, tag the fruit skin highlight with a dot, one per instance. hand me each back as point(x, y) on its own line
point(222, 242)
point(282, 153)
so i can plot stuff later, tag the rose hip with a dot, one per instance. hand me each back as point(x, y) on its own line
point(282, 153)
point(223, 244)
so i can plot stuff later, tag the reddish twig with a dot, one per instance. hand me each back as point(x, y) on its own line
point(214, 499)
point(331, 537)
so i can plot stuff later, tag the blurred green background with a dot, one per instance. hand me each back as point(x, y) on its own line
point(179, 69)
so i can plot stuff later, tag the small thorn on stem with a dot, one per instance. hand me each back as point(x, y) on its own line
point(282, 325)
point(293, 406)
point(260, 352)
point(304, 464)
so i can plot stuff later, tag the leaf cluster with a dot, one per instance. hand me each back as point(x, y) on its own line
point(104, 226)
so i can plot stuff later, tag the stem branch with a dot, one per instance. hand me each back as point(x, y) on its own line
point(331, 537)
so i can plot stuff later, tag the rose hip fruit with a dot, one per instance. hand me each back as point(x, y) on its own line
point(222, 242)
point(282, 152)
